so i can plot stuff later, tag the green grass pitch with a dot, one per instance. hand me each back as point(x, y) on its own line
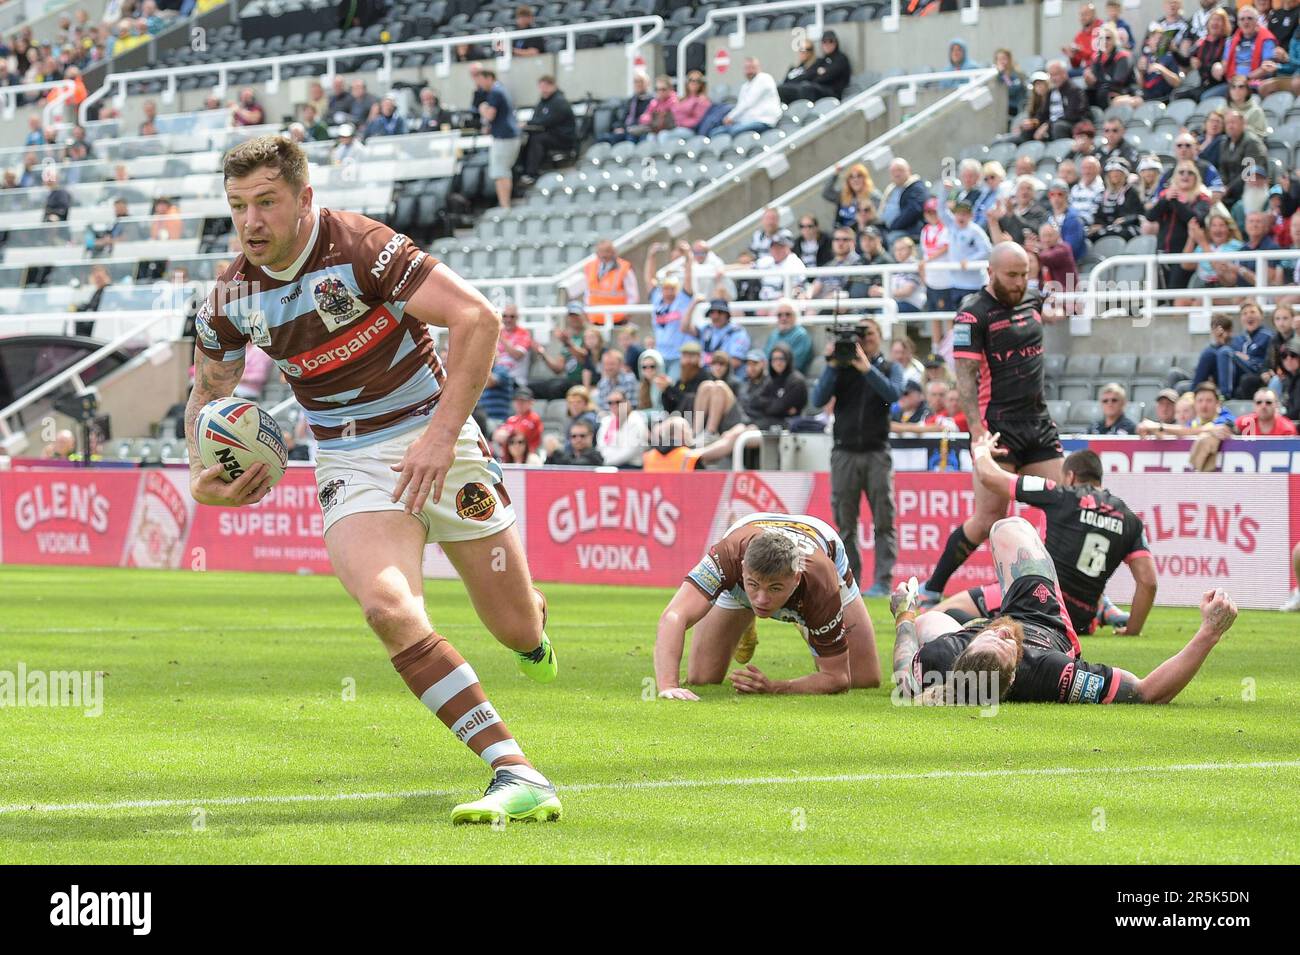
point(224, 714)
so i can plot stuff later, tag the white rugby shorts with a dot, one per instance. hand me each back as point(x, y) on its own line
point(474, 502)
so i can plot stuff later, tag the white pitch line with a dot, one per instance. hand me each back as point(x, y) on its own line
point(655, 784)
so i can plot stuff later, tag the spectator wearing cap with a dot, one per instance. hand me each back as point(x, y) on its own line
point(758, 104)
point(672, 299)
point(967, 244)
point(387, 122)
point(934, 249)
point(1113, 420)
point(1110, 74)
point(722, 334)
point(1065, 219)
point(614, 376)
point(1113, 144)
point(1266, 420)
point(525, 420)
point(569, 361)
point(902, 207)
point(1149, 173)
point(971, 190)
point(494, 403)
point(1166, 403)
point(790, 333)
point(1085, 195)
point(844, 256)
point(609, 280)
point(1119, 211)
point(813, 246)
point(752, 379)
point(814, 76)
point(347, 149)
point(910, 408)
point(785, 271)
point(1063, 106)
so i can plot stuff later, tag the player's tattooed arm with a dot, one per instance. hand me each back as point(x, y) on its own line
point(212, 379)
point(968, 388)
point(906, 645)
point(1130, 688)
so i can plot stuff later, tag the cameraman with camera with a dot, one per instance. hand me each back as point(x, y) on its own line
point(863, 383)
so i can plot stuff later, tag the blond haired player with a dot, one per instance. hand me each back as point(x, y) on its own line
point(788, 567)
point(343, 304)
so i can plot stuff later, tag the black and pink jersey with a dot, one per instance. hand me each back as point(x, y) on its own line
point(1008, 344)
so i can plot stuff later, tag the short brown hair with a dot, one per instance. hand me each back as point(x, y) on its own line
point(1221, 321)
point(273, 152)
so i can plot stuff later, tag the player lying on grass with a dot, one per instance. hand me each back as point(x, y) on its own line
point(1090, 532)
point(343, 306)
point(1029, 653)
point(788, 567)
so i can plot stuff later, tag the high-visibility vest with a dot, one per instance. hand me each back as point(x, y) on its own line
point(678, 459)
point(607, 290)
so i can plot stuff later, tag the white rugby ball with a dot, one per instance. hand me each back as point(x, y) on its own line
point(235, 433)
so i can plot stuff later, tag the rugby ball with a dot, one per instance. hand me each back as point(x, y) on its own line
point(235, 433)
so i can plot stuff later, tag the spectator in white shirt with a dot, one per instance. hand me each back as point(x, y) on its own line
point(1085, 195)
point(781, 263)
point(758, 105)
point(706, 271)
point(623, 435)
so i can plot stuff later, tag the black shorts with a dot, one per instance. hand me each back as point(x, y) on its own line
point(1027, 440)
point(988, 603)
point(1035, 602)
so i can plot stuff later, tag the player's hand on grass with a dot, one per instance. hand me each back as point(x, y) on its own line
point(750, 679)
point(1217, 612)
point(678, 693)
point(249, 488)
point(422, 470)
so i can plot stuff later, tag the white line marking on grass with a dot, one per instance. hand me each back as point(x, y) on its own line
point(655, 784)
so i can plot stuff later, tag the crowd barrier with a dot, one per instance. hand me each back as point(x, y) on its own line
point(1232, 529)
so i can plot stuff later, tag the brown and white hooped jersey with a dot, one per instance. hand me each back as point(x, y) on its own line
point(826, 586)
point(335, 323)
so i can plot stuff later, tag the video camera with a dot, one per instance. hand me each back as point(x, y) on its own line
point(847, 337)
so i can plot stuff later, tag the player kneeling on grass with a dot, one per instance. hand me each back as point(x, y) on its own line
point(343, 306)
point(788, 567)
point(1090, 532)
point(1029, 653)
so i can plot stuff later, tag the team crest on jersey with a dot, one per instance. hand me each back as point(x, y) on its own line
point(474, 502)
point(258, 330)
point(335, 303)
point(203, 327)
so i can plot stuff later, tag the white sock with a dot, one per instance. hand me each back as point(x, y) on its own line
point(526, 773)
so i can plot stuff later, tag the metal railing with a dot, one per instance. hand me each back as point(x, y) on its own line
point(12, 441)
point(644, 29)
point(970, 15)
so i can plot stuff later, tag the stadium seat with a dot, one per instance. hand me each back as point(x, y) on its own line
point(1121, 368)
point(1240, 406)
point(1083, 413)
point(1059, 411)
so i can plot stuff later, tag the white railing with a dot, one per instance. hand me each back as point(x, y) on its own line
point(13, 442)
point(9, 96)
point(737, 39)
point(644, 29)
point(1121, 295)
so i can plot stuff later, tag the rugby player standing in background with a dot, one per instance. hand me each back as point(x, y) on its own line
point(997, 341)
point(343, 306)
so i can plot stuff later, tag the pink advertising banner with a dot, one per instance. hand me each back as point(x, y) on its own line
point(631, 528)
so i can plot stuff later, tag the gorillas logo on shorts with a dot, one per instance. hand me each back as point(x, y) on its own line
point(330, 494)
point(1042, 594)
point(474, 502)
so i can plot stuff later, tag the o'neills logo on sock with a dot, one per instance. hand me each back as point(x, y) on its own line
point(481, 716)
point(350, 345)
